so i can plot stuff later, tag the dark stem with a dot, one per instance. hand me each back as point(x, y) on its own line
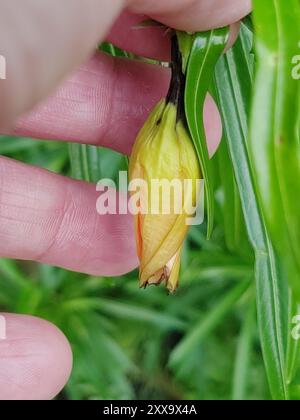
point(178, 80)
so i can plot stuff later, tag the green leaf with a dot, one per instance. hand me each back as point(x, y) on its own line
point(206, 50)
point(274, 132)
point(7, 146)
point(80, 164)
point(243, 356)
point(234, 84)
point(113, 50)
point(272, 294)
point(247, 21)
point(233, 219)
point(185, 42)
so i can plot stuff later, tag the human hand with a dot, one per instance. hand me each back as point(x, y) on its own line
point(46, 217)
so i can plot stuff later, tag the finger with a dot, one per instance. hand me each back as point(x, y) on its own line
point(106, 103)
point(213, 125)
point(35, 359)
point(42, 41)
point(51, 219)
point(193, 15)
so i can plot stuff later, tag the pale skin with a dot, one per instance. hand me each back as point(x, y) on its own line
point(57, 88)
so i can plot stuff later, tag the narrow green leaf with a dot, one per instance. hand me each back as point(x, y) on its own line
point(113, 50)
point(234, 224)
point(206, 50)
point(78, 161)
point(247, 21)
point(234, 84)
point(272, 295)
point(185, 41)
point(12, 273)
point(242, 362)
point(293, 352)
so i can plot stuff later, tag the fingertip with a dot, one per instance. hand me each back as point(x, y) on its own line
point(63, 220)
point(35, 359)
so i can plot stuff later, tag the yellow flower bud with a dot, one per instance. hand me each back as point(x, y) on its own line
point(163, 152)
